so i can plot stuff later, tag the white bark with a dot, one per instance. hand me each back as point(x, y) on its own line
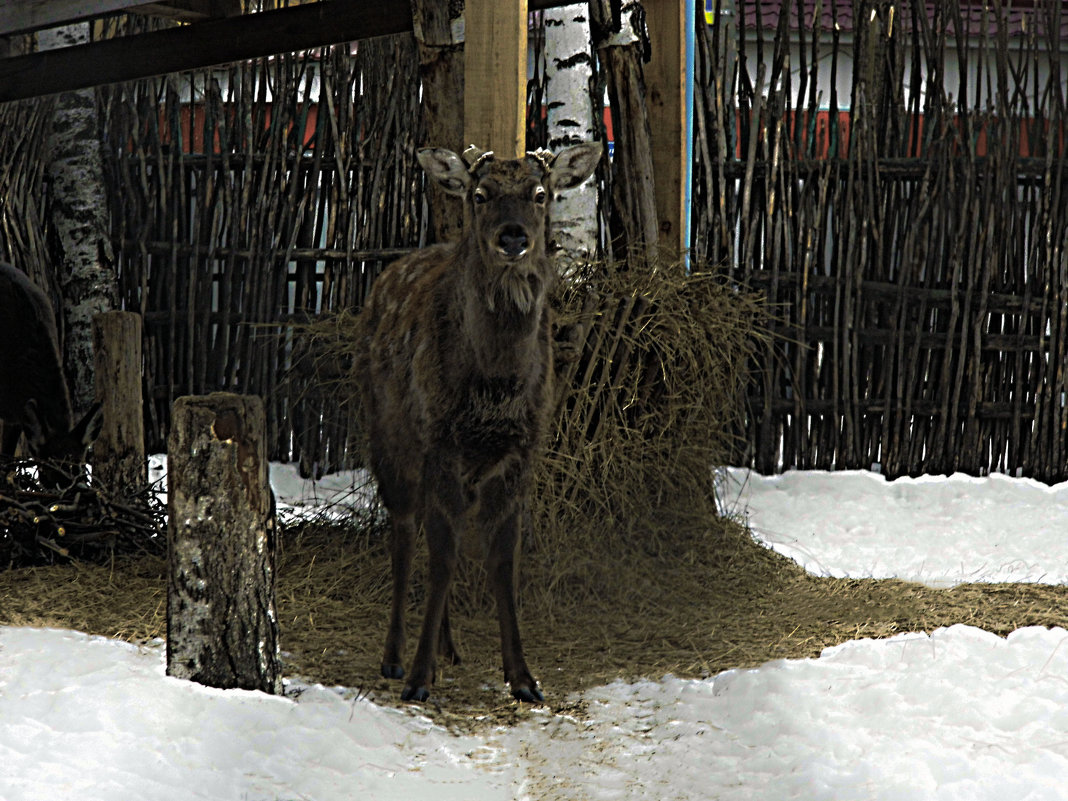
point(570, 118)
point(79, 218)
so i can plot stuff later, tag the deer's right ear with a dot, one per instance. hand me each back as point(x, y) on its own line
point(446, 169)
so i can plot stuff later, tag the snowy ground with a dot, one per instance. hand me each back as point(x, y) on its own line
point(960, 714)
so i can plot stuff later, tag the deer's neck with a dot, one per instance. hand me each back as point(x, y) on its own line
point(503, 336)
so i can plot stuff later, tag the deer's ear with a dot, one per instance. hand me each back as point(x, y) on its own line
point(446, 169)
point(573, 165)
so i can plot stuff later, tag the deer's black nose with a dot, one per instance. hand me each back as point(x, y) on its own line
point(512, 241)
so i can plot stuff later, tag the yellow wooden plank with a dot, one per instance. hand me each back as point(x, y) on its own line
point(665, 83)
point(495, 75)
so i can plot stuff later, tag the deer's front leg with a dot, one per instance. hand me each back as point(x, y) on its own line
point(444, 508)
point(504, 512)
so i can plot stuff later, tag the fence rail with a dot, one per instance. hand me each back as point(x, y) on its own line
point(265, 193)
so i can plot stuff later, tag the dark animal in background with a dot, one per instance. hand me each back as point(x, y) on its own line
point(34, 399)
point(457, 372)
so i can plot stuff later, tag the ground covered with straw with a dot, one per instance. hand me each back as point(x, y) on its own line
point(716, 601)
point(626, 571)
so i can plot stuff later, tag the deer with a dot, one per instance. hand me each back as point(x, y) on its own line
point(457, 373)
point(34, 398)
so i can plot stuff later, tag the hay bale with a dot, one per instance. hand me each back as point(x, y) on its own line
point(650, 390)
point(647, 404)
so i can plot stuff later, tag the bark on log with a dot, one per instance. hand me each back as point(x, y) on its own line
point(634, 224)
point(568, 78)
point(439, 26)
point(119, 451)
point(82, 244)
point(222, 630)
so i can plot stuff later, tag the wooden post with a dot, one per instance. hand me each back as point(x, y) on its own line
point(495, 76)
point(221, 625)
point(665, 80)
point(634, 214)
point(119, 451)
point(441, 69)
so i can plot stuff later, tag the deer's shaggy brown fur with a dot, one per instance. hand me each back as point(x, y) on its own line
point(457, 370)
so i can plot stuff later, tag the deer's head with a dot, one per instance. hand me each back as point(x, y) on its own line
point(506, 212)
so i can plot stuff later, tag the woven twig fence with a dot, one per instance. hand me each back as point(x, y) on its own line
point(24, 128)
point(261, 194)
point(910, 235)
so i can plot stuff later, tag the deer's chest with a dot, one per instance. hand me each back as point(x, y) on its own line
point(493, 414)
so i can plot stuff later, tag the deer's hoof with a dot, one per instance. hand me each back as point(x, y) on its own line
point(528, 695)
point(417, 694)
point(392, 671)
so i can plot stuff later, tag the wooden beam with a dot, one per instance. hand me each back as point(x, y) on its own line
point(665, 83)
point(495, 75)
point(25, 16)
point(202, 44)
point(17, 16)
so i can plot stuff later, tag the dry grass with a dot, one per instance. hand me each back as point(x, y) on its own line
point(627, 572)
point(722, 602)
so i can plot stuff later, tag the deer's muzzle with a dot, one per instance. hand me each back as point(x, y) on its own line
point(512, 241)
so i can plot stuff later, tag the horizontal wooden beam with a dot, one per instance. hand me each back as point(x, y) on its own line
point(205, 44)
point(26, 16)
point(201, 44)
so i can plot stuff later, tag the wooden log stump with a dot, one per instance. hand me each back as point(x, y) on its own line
point(119, 451)
point(222, 630)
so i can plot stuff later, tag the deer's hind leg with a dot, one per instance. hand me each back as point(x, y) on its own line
point(398, 493)
point(401, 547)
point(446, 646)
point(505, 510)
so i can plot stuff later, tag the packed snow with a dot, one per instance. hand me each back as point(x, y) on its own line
point(936, 530)
point(957, 714)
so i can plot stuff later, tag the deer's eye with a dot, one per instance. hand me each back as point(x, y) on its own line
point(540, 195)
point(481, 196)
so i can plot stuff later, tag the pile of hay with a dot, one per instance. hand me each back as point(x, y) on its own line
point(651, 376)
point(651, 369)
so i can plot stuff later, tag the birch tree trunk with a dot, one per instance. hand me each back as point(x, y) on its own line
point(568, 80)
point(81, 247)
point(222, 623)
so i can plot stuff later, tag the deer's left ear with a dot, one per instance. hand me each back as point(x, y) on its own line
point(573, 165)
point(446, 169)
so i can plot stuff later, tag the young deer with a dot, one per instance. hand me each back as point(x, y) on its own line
point(34, 399)
point(457, 371)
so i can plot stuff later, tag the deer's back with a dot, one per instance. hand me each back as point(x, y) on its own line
point(30, 364)
point(400, 334)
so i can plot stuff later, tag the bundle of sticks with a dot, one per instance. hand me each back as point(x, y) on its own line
point(69, 516)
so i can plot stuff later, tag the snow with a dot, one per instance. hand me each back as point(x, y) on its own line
point(957, 714)
point(935, 530)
